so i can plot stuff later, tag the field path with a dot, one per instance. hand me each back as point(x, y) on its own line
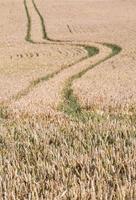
point(49, 93)
point(46, 92)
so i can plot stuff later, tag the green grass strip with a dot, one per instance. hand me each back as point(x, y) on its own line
point(29, 24)
point(70, 104)
point(45, 36)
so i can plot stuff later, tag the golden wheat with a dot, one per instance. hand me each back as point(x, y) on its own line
point(67, 100)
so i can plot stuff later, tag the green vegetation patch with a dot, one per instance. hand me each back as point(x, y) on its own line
point(70, 104)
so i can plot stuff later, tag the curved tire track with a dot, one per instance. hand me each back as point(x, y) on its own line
point(70, 103)
point(89, 49)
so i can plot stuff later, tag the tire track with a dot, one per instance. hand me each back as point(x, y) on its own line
point(89, 49)
point(70, 103)
point(36, 82)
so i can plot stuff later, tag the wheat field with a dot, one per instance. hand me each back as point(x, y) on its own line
point(67, 100)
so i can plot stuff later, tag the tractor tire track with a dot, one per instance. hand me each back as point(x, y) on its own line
point(70, 103)
point(89, 49)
